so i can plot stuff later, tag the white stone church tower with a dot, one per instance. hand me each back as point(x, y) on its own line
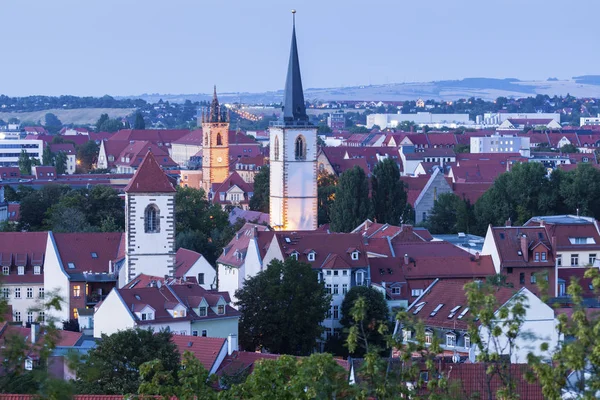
point(149, 223)
point(293, 158)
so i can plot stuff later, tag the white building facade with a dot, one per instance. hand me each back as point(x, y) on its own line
point(10, 150)
point(501, 144)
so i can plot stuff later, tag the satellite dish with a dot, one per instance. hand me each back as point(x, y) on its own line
point(456, 358)
point(158, 284)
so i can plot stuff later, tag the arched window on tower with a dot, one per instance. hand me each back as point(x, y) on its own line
point(206, 139)
point(276, 149)
point(219, 140)
point(300, 148)
point(152, 219)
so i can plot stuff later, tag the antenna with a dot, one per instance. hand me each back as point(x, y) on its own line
point(294, 17)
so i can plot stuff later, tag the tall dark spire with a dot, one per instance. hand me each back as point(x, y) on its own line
point(215, 109)
point(294, 108)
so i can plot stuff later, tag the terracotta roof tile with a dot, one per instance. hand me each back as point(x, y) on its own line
point(184, 260)
point(205, 349)
point(88, 252)
point(149, 178)
point(235, 252)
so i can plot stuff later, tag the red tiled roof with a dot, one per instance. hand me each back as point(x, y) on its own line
point(184, 260)
point(193, 138)
point(234, 179)
point(10, 173)
point(586, 283)
point(152, 135)
point(234, 253)
point(205, 349)
point(508, 244)
point(451, 294)
point(64, 147)
point(414, 186)
point(149, 178)
point(100, 136)
point(441, 139)
point(22, 248)
point(134, 153)
point(79, 249)
point(14, 212)
point(243, 360)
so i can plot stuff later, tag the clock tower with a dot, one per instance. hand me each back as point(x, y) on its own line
point(215, 149)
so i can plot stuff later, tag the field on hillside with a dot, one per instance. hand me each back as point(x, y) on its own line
point(80, 116)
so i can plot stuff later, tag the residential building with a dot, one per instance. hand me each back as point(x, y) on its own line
point(182, 150)
point(149, 222)
point(411, 157)
point(190, 178)
point(496, 119)
point(10, 150)
point(435, 186)
point(190, 264)
point(336, 121)
point(234, 191)
point(69, 150)
point(182, 306)
point(133, 154)
point(444, 311)
point(589, 121)
point(293, 158)
point(501, 143)
point(530, 123)
point(421, 119)
point(247, 167)
point(44, 172)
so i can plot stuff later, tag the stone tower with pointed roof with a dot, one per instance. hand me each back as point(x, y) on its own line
point(149, 223)
point(293, 157)
point(215, 150)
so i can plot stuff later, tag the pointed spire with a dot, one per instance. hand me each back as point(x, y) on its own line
point(215, 109)
point(294, 108)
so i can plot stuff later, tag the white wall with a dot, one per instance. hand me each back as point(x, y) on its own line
point(56, 280)
point(489, 249)
point(202, 266)
point(102, 162)
point(218, 327)
point(112, 316)
point(229, 280)
point(23, 304)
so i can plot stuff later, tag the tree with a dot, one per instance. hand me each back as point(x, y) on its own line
point(282, 308)
point(113, 366)
point(387, 192)
point(359, 129)
point(60, 163)
point(323, 129)
point(87, 156)
point(326, 183)
point(10, 194)
point(260, 197)
point(52, 123)
point(47, 156)
point(580, 190)
point(139, 121)
point(106, 124)
point(24, 163)
point(444, 218)
point(406, 126)
point(569, 148)
point(352, 205)
point(364, 312)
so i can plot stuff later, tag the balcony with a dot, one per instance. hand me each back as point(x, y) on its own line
point(94, 298)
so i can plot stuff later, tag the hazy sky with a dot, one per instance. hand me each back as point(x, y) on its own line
point(127, 47)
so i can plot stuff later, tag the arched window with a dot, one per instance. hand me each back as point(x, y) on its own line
point(219, 140)
point(151, 219)
point(206, 139)
point(276, 149)
point(300, 148)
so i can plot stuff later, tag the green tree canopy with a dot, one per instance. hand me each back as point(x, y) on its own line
point(387, 192)
point(326, 183)
point(25, 163)
point(52, 123)
point(139, 121)
point(260, 197)
point(60, 163)
point(450, 214)
point(113, 366)
point(87, 156)
point(352, 205)
point(282, 308)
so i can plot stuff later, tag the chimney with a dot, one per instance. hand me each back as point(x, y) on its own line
point(35, 332)
point(508, 222)
point(405, 259)
point(477, 256)
point(553, 243)
point(255, 231)
point(542, 222)
point(407, 228)
point(525, 248)
point(232, 344)
point(110, 267)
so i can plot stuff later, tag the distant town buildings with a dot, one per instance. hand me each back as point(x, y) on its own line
point(420, 119)
point(336, 121)
point(501, 144)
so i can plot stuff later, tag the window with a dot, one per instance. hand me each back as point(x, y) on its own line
point(537, 257)
point(75, 313)
point(144, 316)
point(336, 312)
point(221, 309)
point(335, 273)
point(294, 256)
point(311, 256)
point(300, 148)
point(202, 311)
point(360, 277)
point(336, 289)
point(21, 270)
point(416, 292)
point(201, 279)
point(450, 339)
point(42, 317)
point(30, 293)
point(204, 333)
point(328, 287)
point(544, 259)
point(428, 337)
point(522, 278)
point(37, 270)
point(29, 317)
point(424, 215)
point(344, 288)
point(219, 140)
point(17, 316)
point(406, 335)
point(194, 333)
point(5, 270)
point(76, 291)
point(41, 293)
point(509, 270)
point(17, 293)
point(592, 259)
point(328, 272)
point(355, 255)
point(276, 149)
point(151, 216)
point(5, 293)
point(467, 341)
point(574, 259)
point(94, 255)
point(178, 314)
point(29, 364)
point(345, 272)
point(559, 260)
point(532, 278)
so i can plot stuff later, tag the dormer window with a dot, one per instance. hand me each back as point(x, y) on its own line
point(450, 339)
point(221, 309)
point(311, 256)
point(294, 255)
point(354, 255)
point(178, 313)
point(202, 311)
point(5, 270)
point(21, 270)
point(147, 316)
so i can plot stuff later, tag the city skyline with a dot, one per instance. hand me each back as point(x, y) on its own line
point(120, 48)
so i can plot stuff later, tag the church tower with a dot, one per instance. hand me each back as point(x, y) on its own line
point(215, 150)
point(293, 157)
point(149, 223)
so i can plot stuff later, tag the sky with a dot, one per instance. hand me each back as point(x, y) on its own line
point(130, 47)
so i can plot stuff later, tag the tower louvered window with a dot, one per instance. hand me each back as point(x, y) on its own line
point(219, 140)
point(300, 148)
point(276, 149)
